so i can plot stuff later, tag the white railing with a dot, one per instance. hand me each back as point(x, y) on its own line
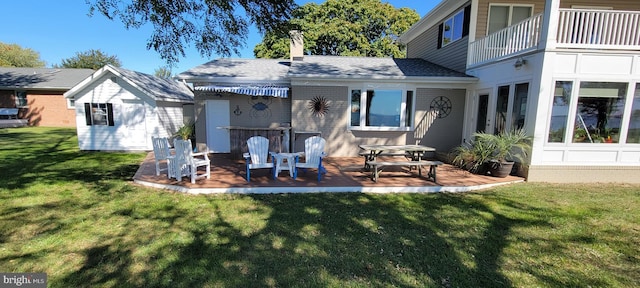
point(520, 37)
point(598, 29)
point(577, 28)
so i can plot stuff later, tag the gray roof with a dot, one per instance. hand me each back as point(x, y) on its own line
point(41, 78)
point(368, 68)
point(327, 67)
point(157, 87)
point(241, 69)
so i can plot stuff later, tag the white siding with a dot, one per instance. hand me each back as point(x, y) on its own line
point(123, 97)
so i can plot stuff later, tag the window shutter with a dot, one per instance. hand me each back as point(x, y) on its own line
point(110, 114)
point(87, 113)
point(467, 21)
point(440, 31)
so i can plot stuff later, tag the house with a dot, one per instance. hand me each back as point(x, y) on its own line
point(415, 102)
point(37, 94)
point(119, 110)
point(567, 72)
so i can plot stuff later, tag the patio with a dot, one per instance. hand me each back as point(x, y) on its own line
point(344, 174)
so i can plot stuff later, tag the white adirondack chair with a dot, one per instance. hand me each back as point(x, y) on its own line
point(186, 162)
point(258, 155)
point(161, 153)
point(313, 154)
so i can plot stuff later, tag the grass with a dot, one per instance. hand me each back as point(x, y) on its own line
point(77, 216)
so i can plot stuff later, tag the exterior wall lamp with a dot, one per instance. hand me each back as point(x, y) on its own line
point(519, 63)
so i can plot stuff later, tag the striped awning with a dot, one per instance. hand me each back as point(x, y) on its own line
point(251, 90)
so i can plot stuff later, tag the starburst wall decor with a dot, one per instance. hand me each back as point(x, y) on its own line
point(319, 106)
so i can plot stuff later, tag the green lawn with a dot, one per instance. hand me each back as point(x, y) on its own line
point(77, 216)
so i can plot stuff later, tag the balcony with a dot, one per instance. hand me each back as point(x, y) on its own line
point(577, 29)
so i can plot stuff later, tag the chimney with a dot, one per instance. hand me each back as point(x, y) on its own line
point(296, 47)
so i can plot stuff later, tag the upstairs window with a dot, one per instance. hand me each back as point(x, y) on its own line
point(504, 15)
point(454, 28)
point(98, 114)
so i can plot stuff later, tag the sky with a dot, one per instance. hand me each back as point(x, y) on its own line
point(59, 29)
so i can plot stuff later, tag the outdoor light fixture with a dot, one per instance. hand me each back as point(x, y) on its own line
point(519, 63)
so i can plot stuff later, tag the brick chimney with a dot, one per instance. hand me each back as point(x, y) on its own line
point(296, 46)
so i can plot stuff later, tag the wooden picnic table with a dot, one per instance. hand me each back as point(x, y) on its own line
point(414, 153)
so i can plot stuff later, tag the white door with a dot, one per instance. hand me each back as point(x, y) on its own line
point(218, 139)
point(134, 126)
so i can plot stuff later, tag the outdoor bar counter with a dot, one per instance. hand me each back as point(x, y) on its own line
point(278, 138)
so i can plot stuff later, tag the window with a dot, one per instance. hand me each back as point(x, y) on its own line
point(454, 28)
point(504, 15)
point(519, 109)
point(21, 99)
point(599, 111)
point(99, 114)
point(501, 110)
point(560, 111)
point(381, 109)
point(71, 103)
point(633, 134)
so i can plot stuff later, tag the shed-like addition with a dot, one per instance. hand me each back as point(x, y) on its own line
point(119, 109)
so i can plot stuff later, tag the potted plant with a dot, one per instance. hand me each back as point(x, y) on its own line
point(186, 132)
point(496, 153)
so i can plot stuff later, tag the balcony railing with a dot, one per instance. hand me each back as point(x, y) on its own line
point(582, 29)
point(523, 36)
point(598, 29)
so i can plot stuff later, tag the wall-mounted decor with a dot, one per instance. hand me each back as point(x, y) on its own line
point(319, 106)
point(237, 112)
point(260, 106)
point(442, 106)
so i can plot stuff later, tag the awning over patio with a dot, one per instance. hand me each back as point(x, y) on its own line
point(252, 90)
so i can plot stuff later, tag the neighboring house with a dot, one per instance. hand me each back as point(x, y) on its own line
point(119, 110)
point(37, 93)
point(566, 71)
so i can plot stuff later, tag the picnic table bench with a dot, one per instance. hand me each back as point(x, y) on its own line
point(378, 166)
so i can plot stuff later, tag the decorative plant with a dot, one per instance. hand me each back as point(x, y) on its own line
point(493, 150)
point(187, 131)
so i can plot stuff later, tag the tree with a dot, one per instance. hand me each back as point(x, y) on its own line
point(92, 59)
point(162, 72)
point(343, 27)
point(12, 55)
point(212, 26)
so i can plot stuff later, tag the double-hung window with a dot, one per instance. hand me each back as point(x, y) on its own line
point(381, 109)
point(98, 114)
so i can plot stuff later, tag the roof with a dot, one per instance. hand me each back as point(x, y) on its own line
point(158, 88)
point(251, 70)
point(368, 68)
point(41, 78)
point(319, 67)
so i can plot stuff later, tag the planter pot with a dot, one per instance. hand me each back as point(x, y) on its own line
point(500, 169)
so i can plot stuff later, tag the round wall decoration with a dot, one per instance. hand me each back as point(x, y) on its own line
point(442, 105)
point(319, 106)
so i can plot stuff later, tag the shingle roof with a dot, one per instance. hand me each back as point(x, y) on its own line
point(250, 69)
point(337, 67)
point(157, 87)
point(367, 67)
point(41, 78)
